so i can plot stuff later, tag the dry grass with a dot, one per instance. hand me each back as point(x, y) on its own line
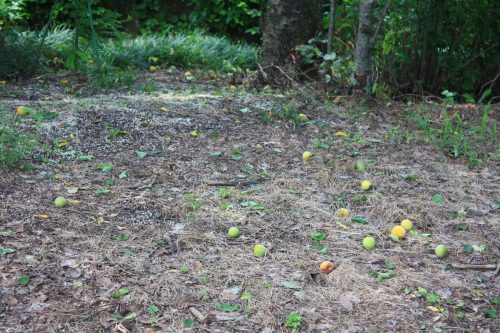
point(180, 255)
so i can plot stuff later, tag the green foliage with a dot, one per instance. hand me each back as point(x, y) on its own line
point(184, 50)
point(421, 47)
point(14, 146)
point(226, 15)
point(429, 45)
point(293, 320)
point(238, 18)
point(476, 142)
point(11, 11)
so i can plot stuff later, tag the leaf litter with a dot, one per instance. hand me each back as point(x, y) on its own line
point(174, 253)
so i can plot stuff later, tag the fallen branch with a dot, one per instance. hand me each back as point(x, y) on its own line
point(231, 183)
point(469, 266)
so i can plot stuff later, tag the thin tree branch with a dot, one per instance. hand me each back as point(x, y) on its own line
point(380, 21)
point(331, 26)
point(491, 85)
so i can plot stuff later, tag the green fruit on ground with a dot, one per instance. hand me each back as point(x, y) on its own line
point(306, 156)
point(369, 243)
point(259, 250)
point(407, 224)
point(152, 69)
point(361, 166)
point(60, 202)
point(233, 232)
point(441, 251)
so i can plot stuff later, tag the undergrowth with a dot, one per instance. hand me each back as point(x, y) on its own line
point(184, 50)
point(475, 142)
point(26, 53)
point(14, 146)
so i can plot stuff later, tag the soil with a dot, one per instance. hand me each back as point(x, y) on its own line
point(149, 214)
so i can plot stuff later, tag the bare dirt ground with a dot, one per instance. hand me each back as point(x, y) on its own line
point(143, 245)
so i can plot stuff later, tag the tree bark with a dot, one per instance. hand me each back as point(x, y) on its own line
point(286, 24)
point(362, 72)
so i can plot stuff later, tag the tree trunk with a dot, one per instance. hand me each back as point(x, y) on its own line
point(362, 72)
point(286, 24)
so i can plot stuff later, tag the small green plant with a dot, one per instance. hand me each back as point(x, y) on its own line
point(194, 201)
point(14, 146)
point(237, 154)
point(153, 311)
point(224, 193)
point(293, 320)
point(113, 133)
point(449, 97)
point(320, 144)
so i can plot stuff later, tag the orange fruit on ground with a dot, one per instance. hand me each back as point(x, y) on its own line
point(326, 267)
point(398, 231)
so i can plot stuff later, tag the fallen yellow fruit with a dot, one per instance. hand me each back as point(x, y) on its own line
point(188, 74)
point(21, 111)
point(407, 224)
point(302, 117)
point(343, 212)
point(398, 231)
point(366, 185)
point(152, 69)
point(233, 88)
point(194, 133)
point(306, 156)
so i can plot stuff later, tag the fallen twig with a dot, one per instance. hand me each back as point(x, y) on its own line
point(231, 183)
point(199, 316)
point(471, 266)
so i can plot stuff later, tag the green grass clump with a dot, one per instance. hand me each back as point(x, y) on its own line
point(14, 146)
point(476, 142)
point(25, 53)
point(183, 50)
point(112, 63)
